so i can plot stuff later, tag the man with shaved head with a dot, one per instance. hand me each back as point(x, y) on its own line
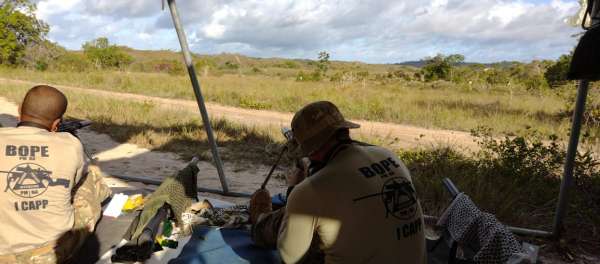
point(49, 196)
point(43, 105)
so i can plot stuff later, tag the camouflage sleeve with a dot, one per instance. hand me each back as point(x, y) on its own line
point(298, 225)
point(81, 163)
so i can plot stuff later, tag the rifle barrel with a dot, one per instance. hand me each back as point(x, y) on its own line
point(264, 185)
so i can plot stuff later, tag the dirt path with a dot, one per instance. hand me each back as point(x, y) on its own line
point(130, 160)
point(402, 136)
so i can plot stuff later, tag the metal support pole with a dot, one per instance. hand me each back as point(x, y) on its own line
point(187, 56)
point(567, 179)
point(595, 13)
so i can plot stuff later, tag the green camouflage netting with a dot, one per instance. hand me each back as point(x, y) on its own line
point(178, 191)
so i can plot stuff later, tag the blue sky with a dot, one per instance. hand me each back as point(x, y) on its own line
point(374, 31)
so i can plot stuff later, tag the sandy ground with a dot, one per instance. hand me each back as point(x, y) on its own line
point(130, 160)
point(404, 136)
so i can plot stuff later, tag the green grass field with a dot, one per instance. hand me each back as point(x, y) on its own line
point(431, 105)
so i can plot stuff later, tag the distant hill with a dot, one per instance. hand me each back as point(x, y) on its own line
point(421, 63)
point(418, 64)
point(291, 63)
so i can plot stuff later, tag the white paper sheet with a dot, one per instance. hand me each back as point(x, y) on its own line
point(116, 205)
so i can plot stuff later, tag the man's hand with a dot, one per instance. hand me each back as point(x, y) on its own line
point(260, 203)
point(298, 174)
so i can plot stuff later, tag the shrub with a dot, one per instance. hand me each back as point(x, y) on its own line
point(496, 76)
point(363, 75)
point(288, 64)
point(230, 65)
point(591, 115)
point(535, 83)
point(40, 55)
point(71, 62)
point(556, 74)
point(515, 178)
point(291, 65)
point(172, 67)
point(308, 77)
point(104, 55)
point(337, 77)
point(202, 63)
point(252, 104)
point(348, 77)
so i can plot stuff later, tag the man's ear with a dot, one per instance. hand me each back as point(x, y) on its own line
point(54, 126)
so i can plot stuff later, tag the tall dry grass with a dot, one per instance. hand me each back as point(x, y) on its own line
point(432, 105)
point(153, 127)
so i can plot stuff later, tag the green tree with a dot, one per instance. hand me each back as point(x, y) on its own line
point(440, 67)
point(529, 75)
point(18, 28)
point(323, 64)
point(455, 59)
point(105, 55)
point(323, 61)
point(556, 74)
point(496, 76)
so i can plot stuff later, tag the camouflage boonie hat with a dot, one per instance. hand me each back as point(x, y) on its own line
point(316, 123)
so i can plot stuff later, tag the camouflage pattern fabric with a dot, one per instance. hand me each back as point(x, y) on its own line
point(233, 217)
point(266, 229)
point(88, 198)
point(178, 191)
point(89, 194)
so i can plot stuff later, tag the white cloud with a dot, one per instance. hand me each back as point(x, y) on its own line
point(49, 8)
point(144, 36)
point(374, 31)
point(508, 12)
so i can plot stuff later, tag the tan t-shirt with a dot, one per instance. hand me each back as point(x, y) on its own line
point(38, 170)
point(362, 205)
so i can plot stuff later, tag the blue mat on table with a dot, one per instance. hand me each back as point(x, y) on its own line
point(211, 245)
point(278, 199)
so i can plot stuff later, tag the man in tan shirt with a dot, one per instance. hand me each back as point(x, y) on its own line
point(358, 205)
point(49, 202)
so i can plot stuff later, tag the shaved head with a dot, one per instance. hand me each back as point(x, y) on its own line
point(43, 104)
